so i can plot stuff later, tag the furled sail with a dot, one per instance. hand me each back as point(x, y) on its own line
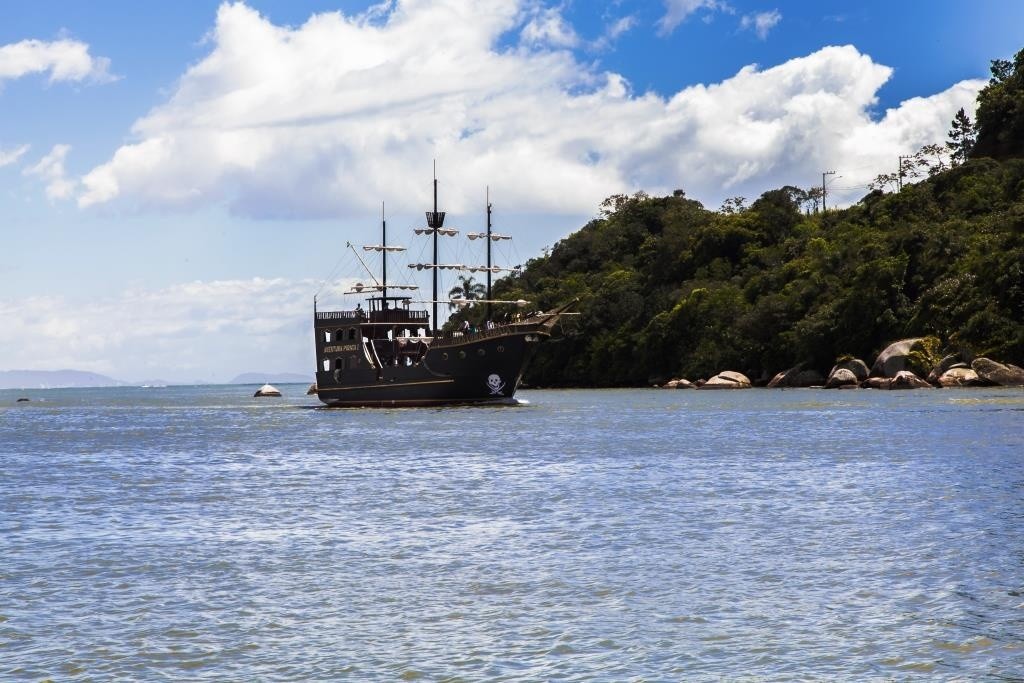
point(483, 235)
point(491, 269)
point(359, 288)
point(448, 232)
point(437, 266)
point(382, 247)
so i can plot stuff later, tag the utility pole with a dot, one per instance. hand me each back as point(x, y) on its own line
point(823, 189)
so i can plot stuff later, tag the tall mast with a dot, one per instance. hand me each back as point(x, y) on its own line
point(435, 226)
point(384, 258)
point(488, 252)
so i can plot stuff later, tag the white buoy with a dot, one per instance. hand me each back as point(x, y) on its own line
point(266, 390)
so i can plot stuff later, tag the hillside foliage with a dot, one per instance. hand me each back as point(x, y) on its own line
point(668, 288)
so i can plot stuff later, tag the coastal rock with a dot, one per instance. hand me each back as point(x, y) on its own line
point(894, 358)
point(876, 383)
point(1003, 374)
point(951, 361)
point(842, 377)
point(959, 377)
point(905, 379)
point(727, 380)
point(855, 365)
point(797, 377)
point(267, 391)
point(678, 384)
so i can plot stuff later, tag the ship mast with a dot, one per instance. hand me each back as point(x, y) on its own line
point(433, 224)
point(488, 200)
point(384, 258)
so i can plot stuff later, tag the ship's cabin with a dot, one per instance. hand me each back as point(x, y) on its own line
point(388, 333)
point(389, 314)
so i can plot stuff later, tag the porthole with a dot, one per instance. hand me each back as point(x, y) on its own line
point(444, 356)
point(462, 354)
point(500, 349)
point(480, 352)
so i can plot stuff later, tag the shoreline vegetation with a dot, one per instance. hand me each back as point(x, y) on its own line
point(781, 293)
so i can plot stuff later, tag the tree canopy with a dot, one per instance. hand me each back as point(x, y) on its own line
point(668, 288)
point(1000, 117)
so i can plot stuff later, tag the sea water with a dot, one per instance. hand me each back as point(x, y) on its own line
point(196, 533)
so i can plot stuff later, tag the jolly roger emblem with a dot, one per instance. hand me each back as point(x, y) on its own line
point(495, 384)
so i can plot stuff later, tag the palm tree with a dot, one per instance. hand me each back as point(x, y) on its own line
point(466, 289)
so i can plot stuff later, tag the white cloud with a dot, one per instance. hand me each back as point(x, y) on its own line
point(761, 22)
point(65, 60)
point(8, 157)
point(178, 333)
point(613, 32)
point(51, 169)
point(331, 117)
point(676, 12)
point(548, 27)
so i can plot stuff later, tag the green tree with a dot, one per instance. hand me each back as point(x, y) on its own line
point(886, 181)
point(1000, 116)
point(933, 158)
point(466, 289)
point(734, 205)
point(961, 138)
point(813, 199)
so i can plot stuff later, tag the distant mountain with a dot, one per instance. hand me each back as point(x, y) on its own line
point(269, 377)
point(44, 379)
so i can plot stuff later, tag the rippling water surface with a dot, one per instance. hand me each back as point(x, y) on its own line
point(196, 533)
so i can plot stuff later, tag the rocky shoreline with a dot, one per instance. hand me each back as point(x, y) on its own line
point(905, 364)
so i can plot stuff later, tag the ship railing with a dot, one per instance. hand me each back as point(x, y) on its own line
point(338, 315)
point(500, 329)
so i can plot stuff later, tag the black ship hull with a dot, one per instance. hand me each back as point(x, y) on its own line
point(481, 367)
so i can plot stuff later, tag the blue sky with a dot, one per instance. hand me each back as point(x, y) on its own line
point(178, 180)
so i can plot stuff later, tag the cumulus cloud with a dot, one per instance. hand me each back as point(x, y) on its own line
point(51, 169)
point(761, 23)
point(11, 156)
point(65, 60)
point(177, 333)
point(676, 12)
point(333, 116)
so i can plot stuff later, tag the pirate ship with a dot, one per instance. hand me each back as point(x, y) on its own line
point(394, 354)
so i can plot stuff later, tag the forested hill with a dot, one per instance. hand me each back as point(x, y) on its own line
point(668, 288)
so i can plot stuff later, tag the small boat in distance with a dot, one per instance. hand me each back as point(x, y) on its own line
point(392, 354)
point(267, 391)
